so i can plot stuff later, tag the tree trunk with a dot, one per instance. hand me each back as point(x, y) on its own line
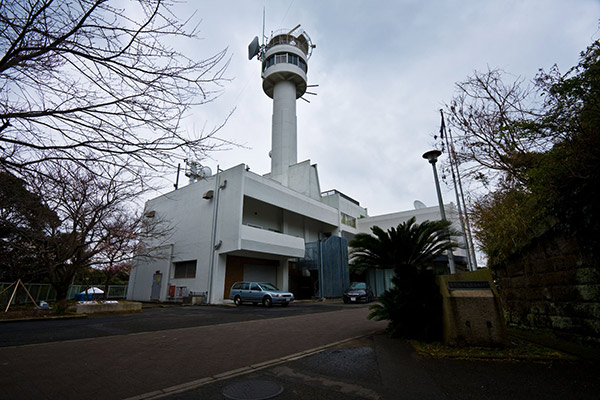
point(62, 290)
point(105, 294)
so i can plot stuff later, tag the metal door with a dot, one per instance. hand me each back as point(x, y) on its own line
point(156, 283)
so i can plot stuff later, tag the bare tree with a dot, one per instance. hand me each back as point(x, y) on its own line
point(127, 235)
point(83, 80)
point(497, 129)
point(98, 225)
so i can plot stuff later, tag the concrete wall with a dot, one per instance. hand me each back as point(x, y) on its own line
point(261, 214)
point(293, 224)
point(349, 212)
point(142, 273)
point(190, 218)
point(548, 285)
point(230, 210)
point(304, 179)
point(272, 192)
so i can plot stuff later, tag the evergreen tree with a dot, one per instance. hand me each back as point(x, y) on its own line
point(413, 304)
point(24, 223)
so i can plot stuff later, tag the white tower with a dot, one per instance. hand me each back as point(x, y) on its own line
point(284, 67)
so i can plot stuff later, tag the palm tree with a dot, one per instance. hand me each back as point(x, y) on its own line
point(413, 304)
point(404, 248)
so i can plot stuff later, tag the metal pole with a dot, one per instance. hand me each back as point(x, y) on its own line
point(467, 222)
point(461, 210)
point(177, 179)
point(321, 278)
point(432, 157)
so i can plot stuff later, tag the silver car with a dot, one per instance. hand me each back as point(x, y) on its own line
point(259, 292)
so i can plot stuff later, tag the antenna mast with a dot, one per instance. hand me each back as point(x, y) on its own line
point(262, 46)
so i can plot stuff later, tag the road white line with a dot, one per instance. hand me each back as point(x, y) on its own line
point(184, 387)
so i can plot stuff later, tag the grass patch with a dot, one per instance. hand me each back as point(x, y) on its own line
point(518, 350)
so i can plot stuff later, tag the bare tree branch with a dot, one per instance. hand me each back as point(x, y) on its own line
point(84, 80)
point(497, 127)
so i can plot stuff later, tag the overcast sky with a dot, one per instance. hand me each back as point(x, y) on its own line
point(384, 69)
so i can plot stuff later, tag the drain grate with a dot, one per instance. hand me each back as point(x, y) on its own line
point(252, 390)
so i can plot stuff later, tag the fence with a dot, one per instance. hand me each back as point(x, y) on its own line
point(45, 292)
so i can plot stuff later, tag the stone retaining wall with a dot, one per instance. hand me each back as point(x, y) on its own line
point(548, 285)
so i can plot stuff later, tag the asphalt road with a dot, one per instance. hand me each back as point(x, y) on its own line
point(151, 320)
point(185, 353)
point(121, 365)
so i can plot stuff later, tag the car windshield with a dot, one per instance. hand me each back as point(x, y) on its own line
point(267, 286)
point(358, 285)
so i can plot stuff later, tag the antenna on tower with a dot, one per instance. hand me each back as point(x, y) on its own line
point(262, 47)
point(293, 29)
point(255, 48)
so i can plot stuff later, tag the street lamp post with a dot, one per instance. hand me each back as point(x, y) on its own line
point(432, 157)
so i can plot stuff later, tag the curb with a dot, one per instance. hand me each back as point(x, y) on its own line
point(74, 316)
point(184, 387)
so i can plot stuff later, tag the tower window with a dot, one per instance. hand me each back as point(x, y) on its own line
point(280, 58)
point(302, 65)
point(268, 62)
point(285, 58)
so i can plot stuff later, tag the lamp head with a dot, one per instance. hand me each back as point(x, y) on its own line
point(432, 156)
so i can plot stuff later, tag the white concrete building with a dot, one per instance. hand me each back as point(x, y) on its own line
point(381, 280)
point(238, 225)
point(231, 226)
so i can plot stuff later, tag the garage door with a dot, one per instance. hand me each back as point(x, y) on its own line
point(260, 273)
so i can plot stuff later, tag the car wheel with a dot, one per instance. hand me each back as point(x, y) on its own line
point(346, 301)
point(267, 301)
point(237, 300)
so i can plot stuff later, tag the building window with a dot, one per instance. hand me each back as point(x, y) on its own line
point(185, 269)
point(348, 220)
point(302, 65)
point(280, 58)
point(287, 58)
point(269, 62)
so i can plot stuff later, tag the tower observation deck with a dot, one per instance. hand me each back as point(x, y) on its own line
point(284, 73)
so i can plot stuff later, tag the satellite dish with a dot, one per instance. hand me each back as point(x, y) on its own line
point(206, 172)
point(253, 48)
point(419, 205)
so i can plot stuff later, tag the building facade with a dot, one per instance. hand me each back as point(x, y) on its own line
point(238, 225)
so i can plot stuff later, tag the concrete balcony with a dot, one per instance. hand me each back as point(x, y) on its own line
point(265, 241)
